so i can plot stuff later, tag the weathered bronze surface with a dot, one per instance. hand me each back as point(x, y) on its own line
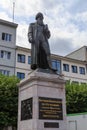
point(26, 109)
point(38, 35)
point(51, 125)
point(50, 108)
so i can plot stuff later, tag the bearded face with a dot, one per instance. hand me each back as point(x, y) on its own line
point(40, 20)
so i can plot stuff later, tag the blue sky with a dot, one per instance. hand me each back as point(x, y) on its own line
point(67, 21)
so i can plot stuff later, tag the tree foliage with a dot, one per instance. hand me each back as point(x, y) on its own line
point(8, 100)
point(76, 98)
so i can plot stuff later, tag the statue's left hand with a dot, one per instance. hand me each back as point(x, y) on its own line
point(45, 27)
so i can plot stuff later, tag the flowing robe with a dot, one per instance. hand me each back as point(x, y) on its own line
point(40, 50)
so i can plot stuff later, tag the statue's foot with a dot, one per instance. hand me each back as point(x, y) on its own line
point(33, 66)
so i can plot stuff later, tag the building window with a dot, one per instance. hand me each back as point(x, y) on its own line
point(20, 75)
point(21, 58)
point(82, 70)
point(2, 54)
point(66, 67)
point(6, 37)
point(5, 72)
point(5, 54)
point(56, 64)
point(74, 69)
point(29, 59)
point(8, 55)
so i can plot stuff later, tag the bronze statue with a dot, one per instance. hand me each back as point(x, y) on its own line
point(38, 35)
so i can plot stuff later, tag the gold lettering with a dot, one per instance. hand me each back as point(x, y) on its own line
point(52, 101)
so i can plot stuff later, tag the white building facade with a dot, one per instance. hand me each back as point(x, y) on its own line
point(23, 61)
point(7, 47)
point(77, 121)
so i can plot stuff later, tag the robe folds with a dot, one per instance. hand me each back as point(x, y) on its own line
point(40, 50)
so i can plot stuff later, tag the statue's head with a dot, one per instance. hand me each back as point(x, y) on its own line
point(39, 15)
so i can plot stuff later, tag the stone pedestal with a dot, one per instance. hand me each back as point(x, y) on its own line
point(42, 102)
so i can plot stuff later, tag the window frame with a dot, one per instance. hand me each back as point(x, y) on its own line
point(5, 54)
point(21, 58)
point(5, 72)
point(66, 67)
point(6, 37)
point(29, 59)
point(57, 65)
point(21, 75)
point(82, 70)
point(74, 69)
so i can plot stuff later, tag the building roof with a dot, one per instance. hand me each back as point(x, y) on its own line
point(76, 50)
point(23, 49)
point(7, 23)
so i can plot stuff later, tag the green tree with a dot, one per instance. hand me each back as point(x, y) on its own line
point(76, 98)
point(8, 100)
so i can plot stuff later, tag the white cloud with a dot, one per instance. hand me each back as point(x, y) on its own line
point(4, 16)
point(22, 38)
point(5, 3)
point(66, 22)
point(82, 17)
